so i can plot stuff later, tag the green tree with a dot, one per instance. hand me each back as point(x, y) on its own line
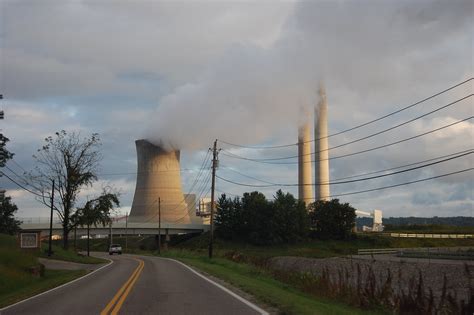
point(5, 155)
point(72, 162)
point(8, 223)
point(95, 211)
point(291, 218)
point(257, 219)
point(228, 217)
point(332, 219)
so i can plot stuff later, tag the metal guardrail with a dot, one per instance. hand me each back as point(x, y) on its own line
point(426, 235)
point(374, 251)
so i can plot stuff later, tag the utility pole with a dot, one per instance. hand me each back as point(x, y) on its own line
point(111, 236)
point(126, 231)
point(159, 226)
point(213, 186)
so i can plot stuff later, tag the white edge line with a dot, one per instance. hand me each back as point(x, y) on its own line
point(238, 297)
point(56, 288)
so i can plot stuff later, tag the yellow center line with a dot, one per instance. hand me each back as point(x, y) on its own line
point(124, 296)
point(125, 288)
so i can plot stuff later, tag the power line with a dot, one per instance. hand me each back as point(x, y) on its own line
point(205, 160)
point(233, 155)
point(21, 186)
point(403, 184)
point(371, 135)
point(357, 126)
point(357, 175)
point(353, 180)
point(402, 166)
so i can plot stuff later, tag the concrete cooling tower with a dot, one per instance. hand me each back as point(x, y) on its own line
point(158, 175)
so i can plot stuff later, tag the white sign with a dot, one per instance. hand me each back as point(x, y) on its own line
point(29, 240)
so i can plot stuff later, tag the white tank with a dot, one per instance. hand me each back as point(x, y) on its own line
point(158, 175)
point(321, 169)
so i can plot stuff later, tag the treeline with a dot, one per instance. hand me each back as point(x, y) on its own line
point(406, 222)
point(285, 219)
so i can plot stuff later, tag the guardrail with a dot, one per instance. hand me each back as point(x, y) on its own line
point(375, 251)
point(427, 235)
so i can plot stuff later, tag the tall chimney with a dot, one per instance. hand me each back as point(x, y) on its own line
point(305, 180)
point(321, 156)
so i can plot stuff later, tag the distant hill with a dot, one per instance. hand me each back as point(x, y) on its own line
point(407, 221)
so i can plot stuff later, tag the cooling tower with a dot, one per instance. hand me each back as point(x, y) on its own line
point(305, 187)
point(158, 175)
point(321, 169)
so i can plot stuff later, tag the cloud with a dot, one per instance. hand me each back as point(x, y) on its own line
point(187, 73)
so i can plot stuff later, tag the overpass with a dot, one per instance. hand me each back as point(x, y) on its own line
point(119, 226)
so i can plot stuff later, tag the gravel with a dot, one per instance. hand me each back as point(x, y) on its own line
point(458, 279)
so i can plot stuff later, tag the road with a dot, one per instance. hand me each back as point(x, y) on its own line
point(137, 285)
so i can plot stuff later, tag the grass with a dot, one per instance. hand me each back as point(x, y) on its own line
point(318, 248)
point(430, 229)
point(22, 276)
point(70, 255)
point(29, 286)
point(263, 286)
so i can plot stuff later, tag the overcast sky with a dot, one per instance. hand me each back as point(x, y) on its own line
point(185, 73)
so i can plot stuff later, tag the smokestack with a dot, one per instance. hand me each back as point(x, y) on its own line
point(158, 175)
point(321, 156)
point(305, 180)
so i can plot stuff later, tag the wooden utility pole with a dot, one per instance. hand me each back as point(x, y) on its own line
point(159, 225)
point(126, 232)
point(50, 251)
point(213, 186)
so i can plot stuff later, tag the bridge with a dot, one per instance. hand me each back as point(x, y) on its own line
point(119, 226)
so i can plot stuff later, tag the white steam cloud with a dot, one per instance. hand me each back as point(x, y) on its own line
point(254, 94)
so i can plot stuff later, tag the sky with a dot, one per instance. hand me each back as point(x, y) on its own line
point(188, 72)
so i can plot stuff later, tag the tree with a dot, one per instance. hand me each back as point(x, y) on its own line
point(72, 162)
point(95, 211)
point(331, 219)
point(5, 155)
point(8, 224)
point(291, 217)
point(228, 217)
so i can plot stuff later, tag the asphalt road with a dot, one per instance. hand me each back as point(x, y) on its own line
point(137, 285)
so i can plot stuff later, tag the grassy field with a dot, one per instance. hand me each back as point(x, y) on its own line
point(311, 248)
point(318, 248)
point(25, 286)
point(69, 255)
point(430, 229)
point(22, 276)
point(264, 287)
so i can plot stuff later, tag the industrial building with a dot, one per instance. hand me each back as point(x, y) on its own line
point(159, 185)
point(321, 154)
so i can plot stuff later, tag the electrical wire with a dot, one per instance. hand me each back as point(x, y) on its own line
point(233, 155)
point(357, 175)
point(353, 180)
point(402, 184)
point(205, 160)
point(357, 126)
point(371, 135)
point(20, 185)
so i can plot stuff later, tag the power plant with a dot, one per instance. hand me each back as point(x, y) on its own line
point(321, 147)
point(321, 154)
point(158, 176)
point(305, 180)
